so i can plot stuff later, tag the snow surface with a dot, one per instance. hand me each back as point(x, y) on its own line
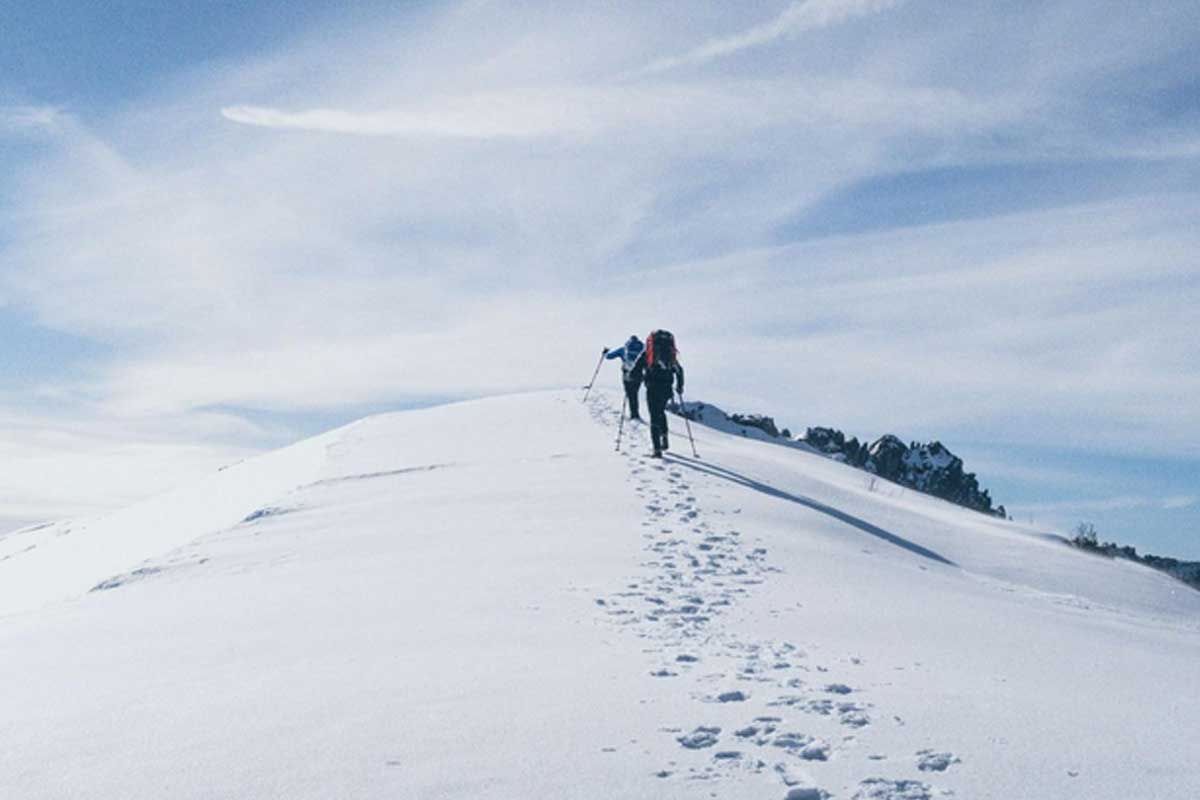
point(485, 600)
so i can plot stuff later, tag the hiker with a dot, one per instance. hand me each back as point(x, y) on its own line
point(631, 370)
point(662, 370)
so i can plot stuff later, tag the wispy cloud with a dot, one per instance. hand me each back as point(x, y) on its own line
point(481, 118)
point(797, 18)
point(1180, 501)
point(503, 190)
point(1115, 503)
point(992, 465)
point(516, 113)
point(714, 111)
point(54, 466)
point(26, 118)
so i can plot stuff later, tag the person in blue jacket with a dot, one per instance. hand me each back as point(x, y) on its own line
point(632, 368)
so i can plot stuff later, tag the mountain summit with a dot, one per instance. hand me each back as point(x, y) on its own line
point(485, 600)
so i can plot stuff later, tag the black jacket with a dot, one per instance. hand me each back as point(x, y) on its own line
point(660, 377)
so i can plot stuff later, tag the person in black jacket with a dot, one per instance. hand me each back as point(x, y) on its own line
point(662, 372)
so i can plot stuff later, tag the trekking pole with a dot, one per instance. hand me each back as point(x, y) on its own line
point(621, 424)
point(592, 382)
point(687, 424)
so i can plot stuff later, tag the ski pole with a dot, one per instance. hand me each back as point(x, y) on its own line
point(592, 382)
point(687, 424)
point(621, 424)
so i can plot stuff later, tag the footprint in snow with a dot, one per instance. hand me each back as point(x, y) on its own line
point(884, 789)
point(803, 745)
point(806, 793)
point(701, 737)
point(929, 761)
point(853, 716)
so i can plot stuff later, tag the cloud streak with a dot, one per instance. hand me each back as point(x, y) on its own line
point(16, 119)
point(712, 112)
point(1117, 503)
point(490, 187)
point(480, 119)
point(797, 18)
point(53, 466)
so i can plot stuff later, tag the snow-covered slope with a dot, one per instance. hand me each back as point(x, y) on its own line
point(484, 600)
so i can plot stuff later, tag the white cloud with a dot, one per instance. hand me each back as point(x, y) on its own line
point(715, 111)
point(1115, 503)
point(1180, 501)
point(502, 207)
point(797, 18)
point(53, 466)
point(26, 118)
point(517, 113)
point(480, 119)
point(991, 465)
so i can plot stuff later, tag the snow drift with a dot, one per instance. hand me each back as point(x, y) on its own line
point(483, 599)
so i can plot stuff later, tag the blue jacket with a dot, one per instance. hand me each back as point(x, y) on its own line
point(629, 354)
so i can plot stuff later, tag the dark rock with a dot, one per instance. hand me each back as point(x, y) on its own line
point(930, 468)
point(764, 424)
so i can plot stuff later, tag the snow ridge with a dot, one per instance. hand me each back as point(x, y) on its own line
point(483, 599)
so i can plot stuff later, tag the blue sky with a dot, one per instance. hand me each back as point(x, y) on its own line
point(86, 56)
point(226, 225)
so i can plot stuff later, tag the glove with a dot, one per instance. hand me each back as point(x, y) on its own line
point(605, 351)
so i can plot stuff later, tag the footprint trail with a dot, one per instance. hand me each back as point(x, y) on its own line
point(696, 567)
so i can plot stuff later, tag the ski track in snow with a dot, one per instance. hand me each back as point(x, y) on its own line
point(696, 568)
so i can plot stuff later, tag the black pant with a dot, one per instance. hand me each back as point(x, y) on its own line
point(631, 394)
point(657, 397)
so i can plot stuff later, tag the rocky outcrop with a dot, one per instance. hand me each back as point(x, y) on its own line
point(833, 443)
point(764, 424)
point(930, 468)
point(753, 426)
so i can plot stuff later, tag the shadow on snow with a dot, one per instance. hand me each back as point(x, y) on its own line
point(841, 516)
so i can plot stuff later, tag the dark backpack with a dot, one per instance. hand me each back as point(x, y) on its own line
point(660, 351)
